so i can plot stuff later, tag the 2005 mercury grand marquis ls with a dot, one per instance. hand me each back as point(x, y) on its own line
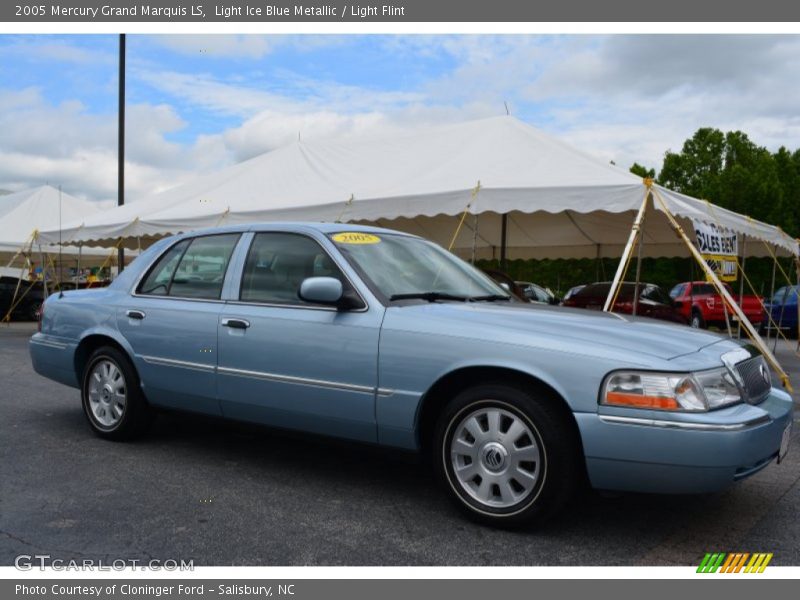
point(382, 337)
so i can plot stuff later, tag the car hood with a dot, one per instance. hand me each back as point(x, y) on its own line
point(635, 335)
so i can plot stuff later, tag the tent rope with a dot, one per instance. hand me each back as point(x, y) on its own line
point(751, 332)
point(746, 279)
point(775, 258)
point(347, 205)
point(473, 195)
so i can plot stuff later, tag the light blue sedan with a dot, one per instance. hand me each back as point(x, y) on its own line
point(381, 337)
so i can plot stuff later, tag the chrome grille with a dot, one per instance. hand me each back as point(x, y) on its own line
point(755, 377)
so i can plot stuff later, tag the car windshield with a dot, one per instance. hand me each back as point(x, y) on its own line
point(403, 266)
point(788, 293)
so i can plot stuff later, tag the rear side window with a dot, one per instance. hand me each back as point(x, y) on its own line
point(158, 279)
point(192, 268)
point(277, 264)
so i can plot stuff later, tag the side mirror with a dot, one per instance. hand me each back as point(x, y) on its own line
point(506, 287)
point(321, 290)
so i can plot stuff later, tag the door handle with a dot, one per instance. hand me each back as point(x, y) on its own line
point(235, 323)
point(135, 314)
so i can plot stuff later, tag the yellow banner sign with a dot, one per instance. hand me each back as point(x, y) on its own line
point(725, 267)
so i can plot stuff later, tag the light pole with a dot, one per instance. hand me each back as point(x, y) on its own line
point(121, 144)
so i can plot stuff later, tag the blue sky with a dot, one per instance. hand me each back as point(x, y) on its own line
point(200, 102)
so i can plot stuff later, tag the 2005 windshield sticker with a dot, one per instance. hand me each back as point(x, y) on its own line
point(353, 237)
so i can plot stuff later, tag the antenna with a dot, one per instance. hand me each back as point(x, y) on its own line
point(60, 262)
point(506, 105)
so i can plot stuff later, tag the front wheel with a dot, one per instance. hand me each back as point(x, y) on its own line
point(112, 398)
point(506, 456)
point(696, 321)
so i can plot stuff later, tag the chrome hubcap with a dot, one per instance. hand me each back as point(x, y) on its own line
point(107, 393)
point(495, 457)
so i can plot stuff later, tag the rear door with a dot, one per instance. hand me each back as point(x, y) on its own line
point(171, 322)
point(288, 363)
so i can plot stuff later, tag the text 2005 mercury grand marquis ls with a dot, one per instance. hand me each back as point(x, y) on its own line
point(382, 337)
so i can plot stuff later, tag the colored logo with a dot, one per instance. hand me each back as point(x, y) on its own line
point(735, 562)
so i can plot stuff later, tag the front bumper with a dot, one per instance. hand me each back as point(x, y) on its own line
point(652, 451)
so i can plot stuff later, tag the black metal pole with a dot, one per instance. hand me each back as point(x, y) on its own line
point(121, 143)
point(503, 233)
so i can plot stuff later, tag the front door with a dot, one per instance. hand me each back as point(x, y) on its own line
point(288, 363)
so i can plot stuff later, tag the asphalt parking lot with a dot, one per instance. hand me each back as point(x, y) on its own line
point(226, 495)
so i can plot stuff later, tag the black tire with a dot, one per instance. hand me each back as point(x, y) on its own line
point(696, 321)
point(135, 417)
point(561, 465)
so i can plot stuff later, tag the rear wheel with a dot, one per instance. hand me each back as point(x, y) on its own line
point(112, 398)
point(506, 456)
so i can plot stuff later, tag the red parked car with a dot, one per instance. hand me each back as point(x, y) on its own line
point(700, 303)
point(653, 301)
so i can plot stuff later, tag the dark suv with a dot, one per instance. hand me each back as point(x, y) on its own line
point(27, 302)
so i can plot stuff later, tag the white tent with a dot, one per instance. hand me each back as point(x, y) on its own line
point(24, 214)
point(559, 201)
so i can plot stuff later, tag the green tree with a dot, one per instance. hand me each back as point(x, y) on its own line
point(696, 169)
point(642, 172)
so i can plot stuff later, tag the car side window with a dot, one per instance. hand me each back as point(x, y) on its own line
point(158, 279)
point(276, 265)
point(192, 268)
point(201, 272)
point(654, 294)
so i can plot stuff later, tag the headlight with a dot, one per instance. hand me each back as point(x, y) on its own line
point(719, 387)
point(689, 392)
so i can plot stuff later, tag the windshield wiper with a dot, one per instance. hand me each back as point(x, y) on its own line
point(489, 298)
point(429, 296)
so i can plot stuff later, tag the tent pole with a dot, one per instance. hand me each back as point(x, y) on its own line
point(783, 303)
point(474, 237)
point(623, 261)
point(78, 274)
point(503, 240)
point(772, 295)
point(797, 291)
point(709, 272)
point(44, 271)
point(727, 319)
point(638, 274)
point(741, 280)
point(597, 264)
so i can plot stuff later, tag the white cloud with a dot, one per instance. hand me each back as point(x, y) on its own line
point(249, 47)
point(623, 98)
point(65, 145)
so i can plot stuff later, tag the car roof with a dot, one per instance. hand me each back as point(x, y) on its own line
point(296, 226)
